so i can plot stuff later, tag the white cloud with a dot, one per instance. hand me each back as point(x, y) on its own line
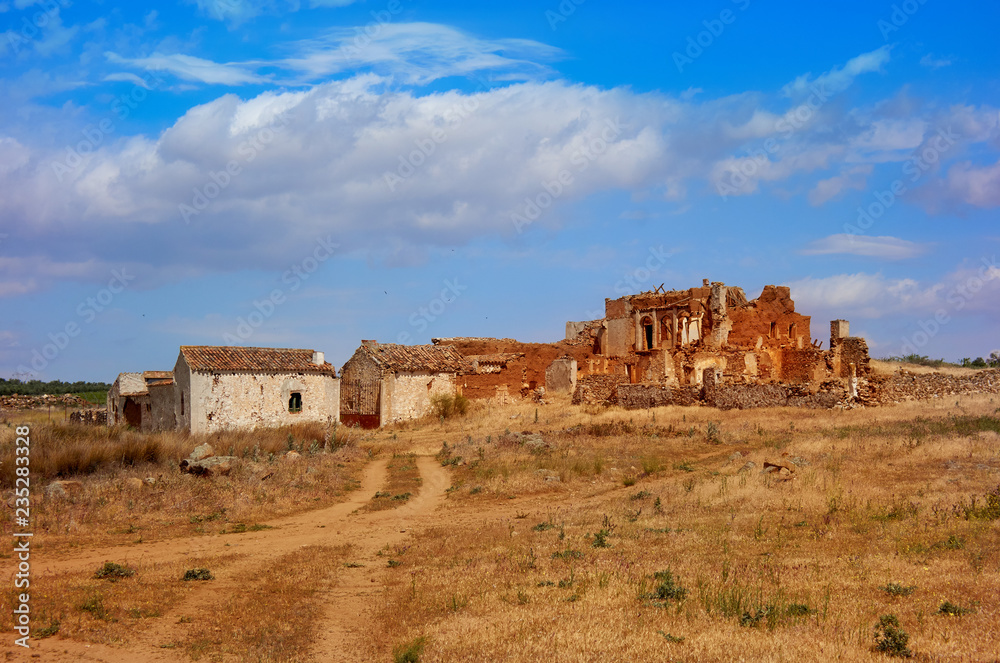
point(936, 63)
point(417, 53)
point(839, 79)
point(979, 187)
point(191, 68)
point(888, 248)
point(851, 178)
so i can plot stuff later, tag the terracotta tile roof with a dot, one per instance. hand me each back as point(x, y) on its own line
point(433, 358)
point(500, 358)
point(212, 358)
point(131, 384)
point(158, 378)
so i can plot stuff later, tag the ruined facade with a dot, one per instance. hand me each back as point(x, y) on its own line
point(216, 388)
point(666, 342)
point(144, 401)
point(384, 382)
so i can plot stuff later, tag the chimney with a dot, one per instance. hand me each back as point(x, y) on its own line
point(369, 344)
point(318, 358)
point(704, 283)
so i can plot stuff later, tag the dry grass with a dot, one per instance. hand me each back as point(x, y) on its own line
point(273, 618)
point(774, 569)
point(402, 483)
point(882, 367)
point(80, 606)
point(117, 505)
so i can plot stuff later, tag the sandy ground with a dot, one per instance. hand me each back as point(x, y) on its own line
point(343, 635)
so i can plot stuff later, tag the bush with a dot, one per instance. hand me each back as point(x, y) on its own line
point(446, 405)
point(668, 588)
point(198, 574)
point(409, 652)
point(890, 638)
point(113, 571)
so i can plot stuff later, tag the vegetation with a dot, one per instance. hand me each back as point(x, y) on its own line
point(890, 638)
point(55, 387)
point(446, 405)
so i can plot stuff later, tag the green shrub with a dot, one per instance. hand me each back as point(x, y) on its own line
point(409, 652)
point(446, 405)
point(953, 609)
point(113, 571)
point(668, 589)
point(895, 589)
point(198, 574)
point(890, 638)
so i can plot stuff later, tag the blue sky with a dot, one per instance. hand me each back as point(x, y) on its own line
point(310, 174)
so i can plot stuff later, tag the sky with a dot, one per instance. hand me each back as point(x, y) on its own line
point(310, 174)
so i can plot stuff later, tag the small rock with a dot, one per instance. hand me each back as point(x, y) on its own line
point(212, 466)
point(63, 488)
point(748, 466)
point(293, 456)
point(552, 478)
point(736, 455)
point(201, 452)
point(150, 481)
point(798, 461)
point(134, 483)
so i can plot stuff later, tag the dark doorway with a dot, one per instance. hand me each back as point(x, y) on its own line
point(133, 413)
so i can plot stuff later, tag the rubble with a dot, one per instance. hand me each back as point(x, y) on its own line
point(25, 402)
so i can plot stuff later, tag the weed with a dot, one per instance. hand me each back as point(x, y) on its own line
point(567, 554)
point(628, 481)
point(688, 484)
point(601, 539)
point(393, 563)
point(95, 606)
point(198, 574)
point(712, 433)
point(353, 565)
point(113, 571)
point(446, 405)
point(49, 630)
point(668, 588)
point(475, 490)
point(671, 638)
point(650, 465)
point(890, 638)
point(953, 609)
point(684, 466)
point(641, 495)
point(241, 528)
point(895, 589)
point(544, 526)
point(409, 652)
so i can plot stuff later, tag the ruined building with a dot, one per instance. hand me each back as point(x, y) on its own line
point(385, 382)
point(217, 387)
point(707, 344)
point(142, 400)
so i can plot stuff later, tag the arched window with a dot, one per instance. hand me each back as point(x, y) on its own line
point(295, 403)
point(647, 332)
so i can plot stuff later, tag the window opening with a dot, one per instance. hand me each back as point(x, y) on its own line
point(295, 402)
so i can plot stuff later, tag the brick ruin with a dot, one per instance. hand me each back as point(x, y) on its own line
point(703, 345)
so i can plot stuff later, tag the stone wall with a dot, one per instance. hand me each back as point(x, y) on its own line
point(160, 415)
point(597, 389)
point(93, 416)
point(222, 401)
point(409, 394)
point(642, 396)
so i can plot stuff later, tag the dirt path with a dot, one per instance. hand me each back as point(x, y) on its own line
point(342, 633)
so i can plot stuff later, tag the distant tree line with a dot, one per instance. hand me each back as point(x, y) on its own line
point(37, 387)
point(993, 361)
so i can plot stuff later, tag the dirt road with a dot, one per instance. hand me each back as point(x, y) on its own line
point(343, 631)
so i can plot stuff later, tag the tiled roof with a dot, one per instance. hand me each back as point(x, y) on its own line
point(210, 358)
point(131, 384)
point(158, 378)
point(433, 358)
point(500, 358)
